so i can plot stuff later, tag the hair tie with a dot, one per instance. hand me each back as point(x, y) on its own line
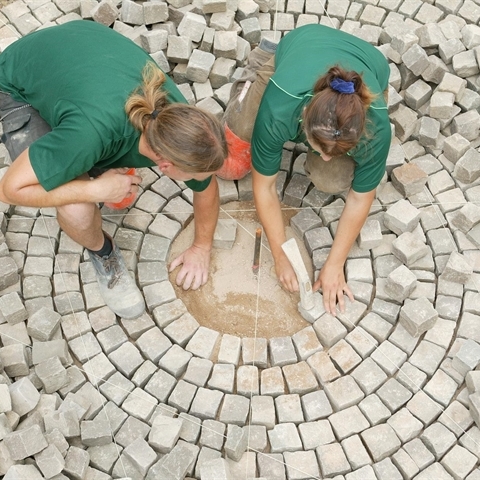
point(341, 86)
point(154, 114)
point(336, 133)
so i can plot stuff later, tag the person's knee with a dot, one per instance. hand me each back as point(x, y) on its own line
point(76, 215)
point(21, 128)
point(334, 176)
point(331, 185)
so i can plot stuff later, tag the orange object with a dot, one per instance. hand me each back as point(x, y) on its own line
point(239, 160)
point(127, 201)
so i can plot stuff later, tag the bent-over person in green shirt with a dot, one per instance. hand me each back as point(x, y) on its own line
point(80, 97)
point(326, 88)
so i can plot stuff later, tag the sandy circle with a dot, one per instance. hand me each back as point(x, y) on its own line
point(234, 300)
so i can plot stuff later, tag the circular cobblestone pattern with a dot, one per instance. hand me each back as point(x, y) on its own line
point(389, 390)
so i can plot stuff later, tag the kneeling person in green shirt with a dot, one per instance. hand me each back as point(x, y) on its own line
point(326, 88)
point(80, 97)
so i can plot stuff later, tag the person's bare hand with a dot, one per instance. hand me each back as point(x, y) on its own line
point(332, 282)
point(113, 185)
point(285, 273)
point(195, 263)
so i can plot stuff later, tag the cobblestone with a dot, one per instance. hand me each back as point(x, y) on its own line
point(344, 367)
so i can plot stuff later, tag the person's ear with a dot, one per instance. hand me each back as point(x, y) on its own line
point(164, 165)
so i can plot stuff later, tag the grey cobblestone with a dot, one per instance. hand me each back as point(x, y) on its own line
point(374, 409)
point(343, 392)
point(332, 460)
point(284, 437)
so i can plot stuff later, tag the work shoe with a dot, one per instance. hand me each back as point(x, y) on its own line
point(117, 287)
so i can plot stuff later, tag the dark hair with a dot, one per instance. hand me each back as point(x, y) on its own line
point(191, 138)
point(333, 120)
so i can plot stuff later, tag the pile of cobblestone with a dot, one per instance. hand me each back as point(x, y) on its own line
point(389, 390)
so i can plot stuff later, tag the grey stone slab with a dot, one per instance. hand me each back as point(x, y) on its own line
point(289, 409)
point(376, 327)
point(332, 460)
point(182, 396)
point(343, 392)
point(427, 357)
point(323, 367)
point(212, 435)
point(144, 373)
point(198, 371)
point(262, 411)
point(374, 409)
point(284, 437)
point(236, 442)
point(180, 331)
point(168, 312)
point(381, 441)
point(191, 427)
point(234, 410)
point(369, 376)
point(223, 378)
point(272, 382)
point(301, 465)
point(14, 312)
point(247, 380)
point(418, 316)
point(393, 394)
point(438, 439)
point(126, 358)
point(361, 341)
point(164, 433)
point(230, 348)
point(314, 434)
point(255, 351)
point(424, 408)
point(130, 430)
point(139, 404)
point(117, 388)
point(203, 342)
point(389, 357)
point(456, 417)
point(175, 361)
point(348, 422)
point(52, 374)
point(153, 344)
point(160, 385)
point(158, 293)
point(299, 378)
point(206, 403)
point(175, 464)
point(329, 330)
point(14, 360)
point(25, 443)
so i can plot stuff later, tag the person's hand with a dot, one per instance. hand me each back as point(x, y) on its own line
point(195, 263)
point(114, 185)
point(286, 274)
point(332, 282)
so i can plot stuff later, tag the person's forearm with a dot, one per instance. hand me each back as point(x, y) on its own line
point(355, 212)
point(206, 205)
point(20, 186)
point(77, 191)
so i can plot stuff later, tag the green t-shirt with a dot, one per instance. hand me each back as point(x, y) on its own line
point(79, 76)
point(302, 56)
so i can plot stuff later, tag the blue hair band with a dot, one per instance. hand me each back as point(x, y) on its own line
point(341, 86)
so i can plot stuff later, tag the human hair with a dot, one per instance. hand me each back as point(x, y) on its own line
point(335, 120)
point(191, 138)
